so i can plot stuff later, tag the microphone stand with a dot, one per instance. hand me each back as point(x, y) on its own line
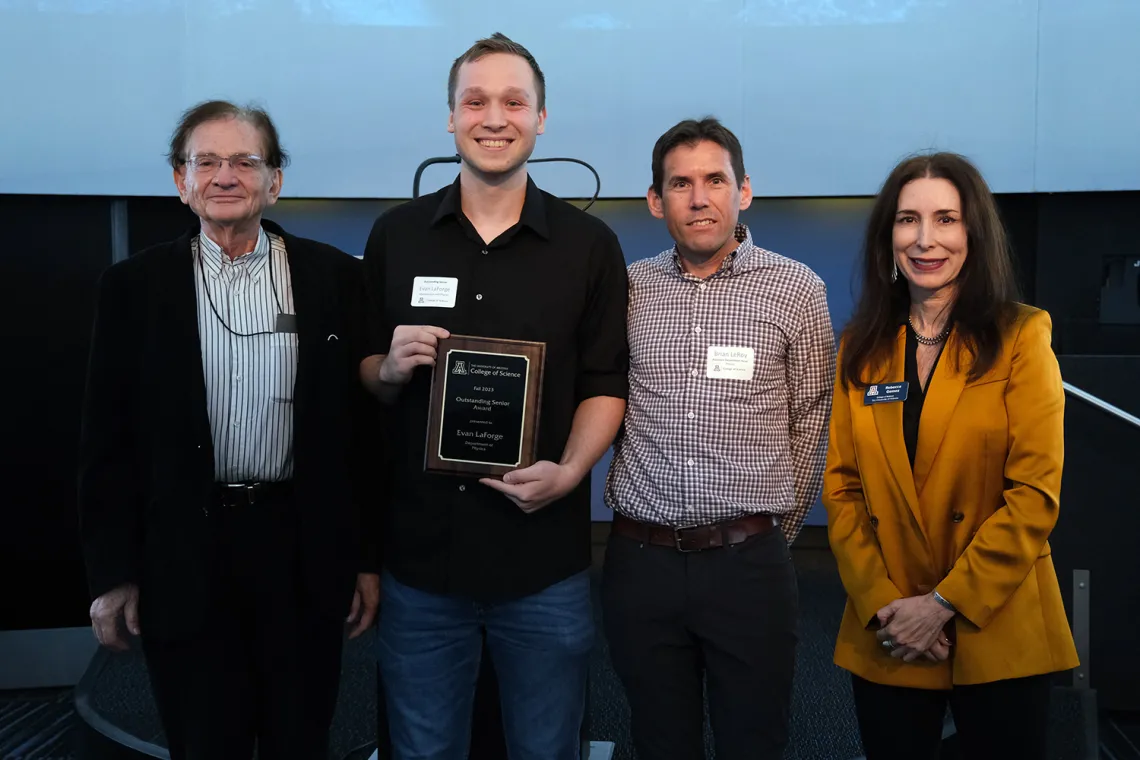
point(428, 162)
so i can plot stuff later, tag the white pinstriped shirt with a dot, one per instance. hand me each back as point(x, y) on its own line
point(249, 380)
point(705, 441)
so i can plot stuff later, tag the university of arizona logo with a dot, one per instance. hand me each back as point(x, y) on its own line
point(459, 368)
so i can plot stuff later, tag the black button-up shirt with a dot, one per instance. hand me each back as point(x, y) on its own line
point(558, 276)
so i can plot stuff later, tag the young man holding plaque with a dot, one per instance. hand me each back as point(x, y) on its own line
point(732, 356)
point(486, 536)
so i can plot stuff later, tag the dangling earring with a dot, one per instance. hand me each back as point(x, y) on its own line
point(895, 272)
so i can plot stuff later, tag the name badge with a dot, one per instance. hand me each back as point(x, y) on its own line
point(730, 363)
point(286, 323)
point(885, 393)
point(438, 292)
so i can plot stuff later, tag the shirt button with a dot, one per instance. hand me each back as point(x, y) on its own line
point(691, 415)
point(957, 517)
point(703, 286)
point(693, 373)
point(696, 329)
point(464, 488)
point(484, 251)
point(478, 296)
point(690, 463)
point(237, 377)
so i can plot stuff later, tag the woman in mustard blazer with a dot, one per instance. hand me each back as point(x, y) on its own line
point(943, 478)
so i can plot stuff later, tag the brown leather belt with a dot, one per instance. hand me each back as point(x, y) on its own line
point(694, 538)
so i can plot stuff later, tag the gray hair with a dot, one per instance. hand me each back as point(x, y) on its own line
point(213, 110)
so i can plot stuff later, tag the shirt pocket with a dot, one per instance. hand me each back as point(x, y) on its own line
point(282, 367)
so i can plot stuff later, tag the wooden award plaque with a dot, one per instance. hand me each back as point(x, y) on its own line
point(485, 397)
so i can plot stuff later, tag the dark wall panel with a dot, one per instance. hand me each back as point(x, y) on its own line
point(1019, 213)
point(156, 220)
point(1084, 241)
point(1096, 531)
point(54, 249)
point(1116, 379)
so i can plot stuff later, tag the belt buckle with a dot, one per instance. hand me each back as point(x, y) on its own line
point(250, 490)
point(677, 538)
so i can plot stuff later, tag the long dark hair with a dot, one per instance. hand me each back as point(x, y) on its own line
point(987, 291)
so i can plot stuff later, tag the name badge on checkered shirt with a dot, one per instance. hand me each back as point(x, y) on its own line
point(730, 363)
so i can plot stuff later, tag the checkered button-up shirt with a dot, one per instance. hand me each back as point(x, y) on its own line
point(730, 386)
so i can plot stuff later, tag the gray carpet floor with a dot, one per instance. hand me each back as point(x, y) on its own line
point(36, 724)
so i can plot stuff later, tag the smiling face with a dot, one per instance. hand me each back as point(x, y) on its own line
point(496, 119)
point(701, 200)
point(224, 194)
point(929, 238)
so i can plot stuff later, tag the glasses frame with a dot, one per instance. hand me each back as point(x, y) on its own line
point(194, 165)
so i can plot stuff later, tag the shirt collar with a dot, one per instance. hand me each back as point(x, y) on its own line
point(740, 260)
point(533, 210)
point(214, 259)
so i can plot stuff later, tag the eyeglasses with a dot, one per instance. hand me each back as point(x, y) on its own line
point(208, 163)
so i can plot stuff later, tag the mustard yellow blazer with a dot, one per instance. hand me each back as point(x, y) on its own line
point(972, 520)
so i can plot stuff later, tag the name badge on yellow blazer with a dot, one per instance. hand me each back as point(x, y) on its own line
point(885, 393)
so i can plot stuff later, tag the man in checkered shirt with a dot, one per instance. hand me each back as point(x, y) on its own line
point(732, 359)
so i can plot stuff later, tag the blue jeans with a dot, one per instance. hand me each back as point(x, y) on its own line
point(429, 649)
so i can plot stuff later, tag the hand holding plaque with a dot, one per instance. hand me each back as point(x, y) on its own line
point(412, 346)
point(485, 396)
point(532, 488)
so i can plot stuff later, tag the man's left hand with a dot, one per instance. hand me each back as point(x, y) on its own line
point(913, 624)
point(364, 603)
point(532, 488)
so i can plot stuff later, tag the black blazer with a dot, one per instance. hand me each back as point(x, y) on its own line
point(146, 460)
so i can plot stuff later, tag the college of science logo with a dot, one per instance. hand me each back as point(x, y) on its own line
point(483, 370)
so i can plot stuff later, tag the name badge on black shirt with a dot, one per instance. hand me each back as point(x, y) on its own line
point(886, 392)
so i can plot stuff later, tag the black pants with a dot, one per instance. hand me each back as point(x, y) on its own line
point(727, 615)
point(264, 670)
point(1003, 719)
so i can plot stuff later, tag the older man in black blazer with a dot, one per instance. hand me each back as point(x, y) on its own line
point(224, 509)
